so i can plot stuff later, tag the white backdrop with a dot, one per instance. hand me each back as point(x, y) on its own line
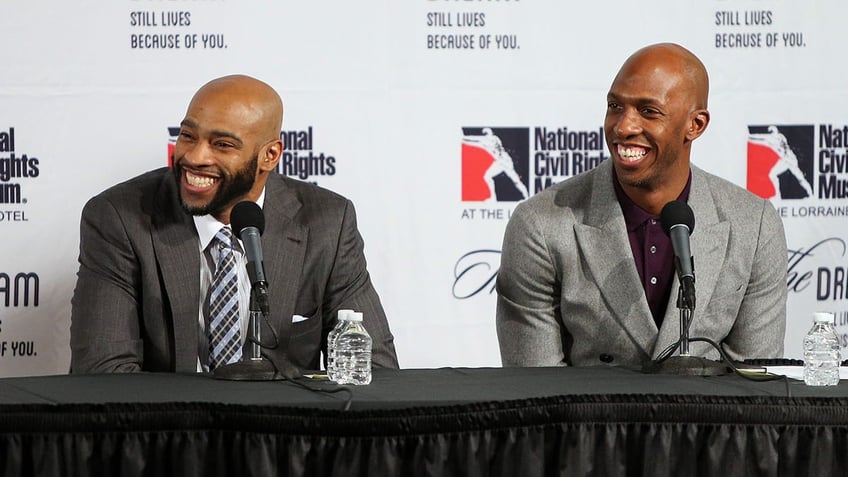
point(90, 88)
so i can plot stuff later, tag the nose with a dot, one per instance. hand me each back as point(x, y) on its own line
point(194, 154)
point(628, 123)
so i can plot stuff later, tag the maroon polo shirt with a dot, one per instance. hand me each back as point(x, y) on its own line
point(652, 250)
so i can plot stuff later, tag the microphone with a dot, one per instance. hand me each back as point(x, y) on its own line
point(248, 221)
point(678, 222)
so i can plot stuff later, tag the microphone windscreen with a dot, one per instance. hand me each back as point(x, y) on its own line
point(247, 214)
point(677, 212)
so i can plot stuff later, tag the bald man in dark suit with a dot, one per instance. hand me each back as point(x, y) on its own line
point(140, 300)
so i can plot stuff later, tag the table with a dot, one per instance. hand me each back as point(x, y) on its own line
point(453, 421)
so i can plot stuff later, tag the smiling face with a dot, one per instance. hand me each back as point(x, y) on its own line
point(226, 187)
point(655, 109)
point(228, 144)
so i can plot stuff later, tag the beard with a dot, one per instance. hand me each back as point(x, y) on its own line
point(231, 188)
point(647, 183)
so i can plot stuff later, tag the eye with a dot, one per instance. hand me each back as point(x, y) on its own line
point(613, 106)
point(223, 145)
point(185, 136)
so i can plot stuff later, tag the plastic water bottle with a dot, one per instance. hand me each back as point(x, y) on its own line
point(342, 323)
point(353, 353)
point(821, 352)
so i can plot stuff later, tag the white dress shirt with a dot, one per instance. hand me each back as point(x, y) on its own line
point(207, 226)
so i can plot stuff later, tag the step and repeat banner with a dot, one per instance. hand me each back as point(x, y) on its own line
point(436, 117)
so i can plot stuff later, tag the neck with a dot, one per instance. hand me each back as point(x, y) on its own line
point(652, 200)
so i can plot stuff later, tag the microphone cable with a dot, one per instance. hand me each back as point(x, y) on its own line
point(725, 359)
point(292, 374)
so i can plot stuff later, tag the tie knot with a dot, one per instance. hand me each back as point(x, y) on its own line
point(224, 238)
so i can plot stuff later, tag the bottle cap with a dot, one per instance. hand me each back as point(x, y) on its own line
point(823, 317)
point(355, 316)
point(344, 315)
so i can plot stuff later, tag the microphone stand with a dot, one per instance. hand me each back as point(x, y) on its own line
point(685, 363)
point(686, 305)
point(252, 367)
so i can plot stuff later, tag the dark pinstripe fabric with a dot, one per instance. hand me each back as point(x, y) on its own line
point(135, 305)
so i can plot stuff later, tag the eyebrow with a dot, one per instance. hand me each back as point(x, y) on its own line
point(214, 132)
point(634, 99)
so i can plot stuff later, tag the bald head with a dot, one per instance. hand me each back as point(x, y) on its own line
point(674, 60)
point(260, 106)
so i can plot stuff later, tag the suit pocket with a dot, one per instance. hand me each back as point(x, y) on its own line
point(311, 324)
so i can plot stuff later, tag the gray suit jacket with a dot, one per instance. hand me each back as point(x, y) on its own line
point(135, 306)
point(569, 292)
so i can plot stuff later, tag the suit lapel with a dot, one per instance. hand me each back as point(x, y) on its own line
point(284, 247)
point(176, 247)
point(709, 247)
point(606, 249)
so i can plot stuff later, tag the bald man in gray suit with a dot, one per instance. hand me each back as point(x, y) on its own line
point(587, 277)
point(140, 301)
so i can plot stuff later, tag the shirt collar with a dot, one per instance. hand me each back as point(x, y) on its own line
point(207, 225)
point(635, 216)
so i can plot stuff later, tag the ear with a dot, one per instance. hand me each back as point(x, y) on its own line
point(270, 157)
point(698, 121)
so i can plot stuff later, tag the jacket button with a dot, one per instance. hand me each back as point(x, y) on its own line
point(606, 358)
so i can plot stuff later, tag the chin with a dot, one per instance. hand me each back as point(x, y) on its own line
point(194, 208)
point(632, 180)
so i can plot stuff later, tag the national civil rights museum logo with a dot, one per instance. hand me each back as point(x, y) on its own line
point(511, 164)
point(780, 161)
point(495, 164)
point(504, 165)
point(16, 171)
point(300, 158)
point(792, 162)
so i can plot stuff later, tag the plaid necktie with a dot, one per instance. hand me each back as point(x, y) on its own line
point(224, 339)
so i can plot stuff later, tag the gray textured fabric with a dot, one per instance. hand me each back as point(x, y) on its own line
point(135, 306)
point(569, 292)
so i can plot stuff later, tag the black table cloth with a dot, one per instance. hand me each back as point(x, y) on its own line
point(510, 422)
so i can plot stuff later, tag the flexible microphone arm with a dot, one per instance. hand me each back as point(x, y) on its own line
point(686, 305)
point(259, 294)
point(686, 297)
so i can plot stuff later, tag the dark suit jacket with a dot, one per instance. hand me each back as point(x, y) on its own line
point(135, 306)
